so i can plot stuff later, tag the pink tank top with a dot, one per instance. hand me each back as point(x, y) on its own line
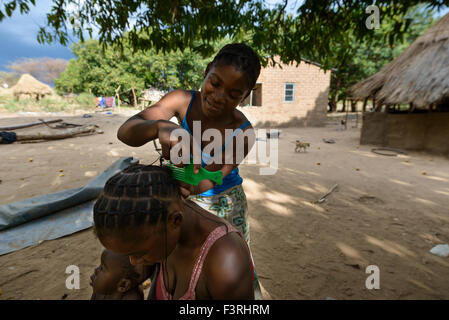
point(217, 233)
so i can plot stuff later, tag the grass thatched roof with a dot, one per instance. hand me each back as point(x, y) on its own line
point(420, 75)
point(27, 84)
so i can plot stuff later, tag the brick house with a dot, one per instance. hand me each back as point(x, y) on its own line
point(291, 96)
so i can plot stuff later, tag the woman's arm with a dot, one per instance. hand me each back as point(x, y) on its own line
point(145, 126)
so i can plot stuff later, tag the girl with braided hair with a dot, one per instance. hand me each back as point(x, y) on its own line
point(194, 254)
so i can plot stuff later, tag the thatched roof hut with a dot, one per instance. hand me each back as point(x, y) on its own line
point(420, 75)
point(29, 87)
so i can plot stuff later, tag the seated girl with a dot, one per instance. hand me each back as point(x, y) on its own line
point(115, 279)
point(194, 254)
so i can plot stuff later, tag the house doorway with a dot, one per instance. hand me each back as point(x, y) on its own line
point(255, 97)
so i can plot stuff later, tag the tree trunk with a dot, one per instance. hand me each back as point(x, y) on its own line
point(377, 108)
point(117, 94)
point(134, 98)
point(333, 100)
point(69, 133)
point(343, 109)
point(27, 125)
point(353, 105)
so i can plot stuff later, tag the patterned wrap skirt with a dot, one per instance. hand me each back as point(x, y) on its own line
point(230, 205)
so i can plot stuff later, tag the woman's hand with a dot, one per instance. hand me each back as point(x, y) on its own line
point(167, 138)
point(185, 189)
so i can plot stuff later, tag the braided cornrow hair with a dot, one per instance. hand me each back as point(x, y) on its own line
point(243, 58)
point(136, 196)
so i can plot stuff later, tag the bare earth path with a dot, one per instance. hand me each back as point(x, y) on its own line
point(386, 213)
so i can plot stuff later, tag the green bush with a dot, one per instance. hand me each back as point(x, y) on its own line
point(52, 105)
point(13, 105)
point(85, 100)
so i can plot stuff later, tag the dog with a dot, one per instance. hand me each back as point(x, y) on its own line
point(301, 145)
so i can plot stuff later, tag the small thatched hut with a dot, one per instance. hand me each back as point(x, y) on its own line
point(419, 77)
point(29, 88)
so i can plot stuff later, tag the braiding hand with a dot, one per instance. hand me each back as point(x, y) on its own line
point(168, 141)
point(166, 138)
point(185, 189)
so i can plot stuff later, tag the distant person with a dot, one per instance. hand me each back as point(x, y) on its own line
point(193, 254)
point(115, 279)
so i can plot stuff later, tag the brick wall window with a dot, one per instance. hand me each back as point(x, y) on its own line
point(289, 92)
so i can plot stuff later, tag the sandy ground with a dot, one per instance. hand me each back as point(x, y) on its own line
point(384, 213)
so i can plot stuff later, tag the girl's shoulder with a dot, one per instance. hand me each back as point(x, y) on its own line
point(241, 119)
point(229, 250)
point(180, 96)
point(177, 101)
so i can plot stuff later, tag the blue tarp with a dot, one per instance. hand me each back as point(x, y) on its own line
point(25, 223)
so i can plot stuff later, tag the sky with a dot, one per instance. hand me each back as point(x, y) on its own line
point(18, 34)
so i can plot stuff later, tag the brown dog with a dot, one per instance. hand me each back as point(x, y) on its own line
point(301, 145)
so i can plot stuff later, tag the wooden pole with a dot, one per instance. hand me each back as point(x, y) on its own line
point(118, 97)
point(363, 114)
point(353, 105)
point(346, 118)
point(69, 133)
point(27, 125)
point(364, 104)
point(134, 97)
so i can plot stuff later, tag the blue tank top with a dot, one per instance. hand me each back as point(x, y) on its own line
point(233, 178)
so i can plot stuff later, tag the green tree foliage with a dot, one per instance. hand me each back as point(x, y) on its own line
point(330, 32)
point(102, 71)
point(178, 24)
point(360, 59)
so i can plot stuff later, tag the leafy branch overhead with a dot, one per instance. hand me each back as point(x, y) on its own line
point(167, 25)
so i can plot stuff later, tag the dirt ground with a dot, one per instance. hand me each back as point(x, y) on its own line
point(385, 212)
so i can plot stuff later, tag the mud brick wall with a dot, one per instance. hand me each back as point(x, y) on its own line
point(421, 131)
point(310, 102)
